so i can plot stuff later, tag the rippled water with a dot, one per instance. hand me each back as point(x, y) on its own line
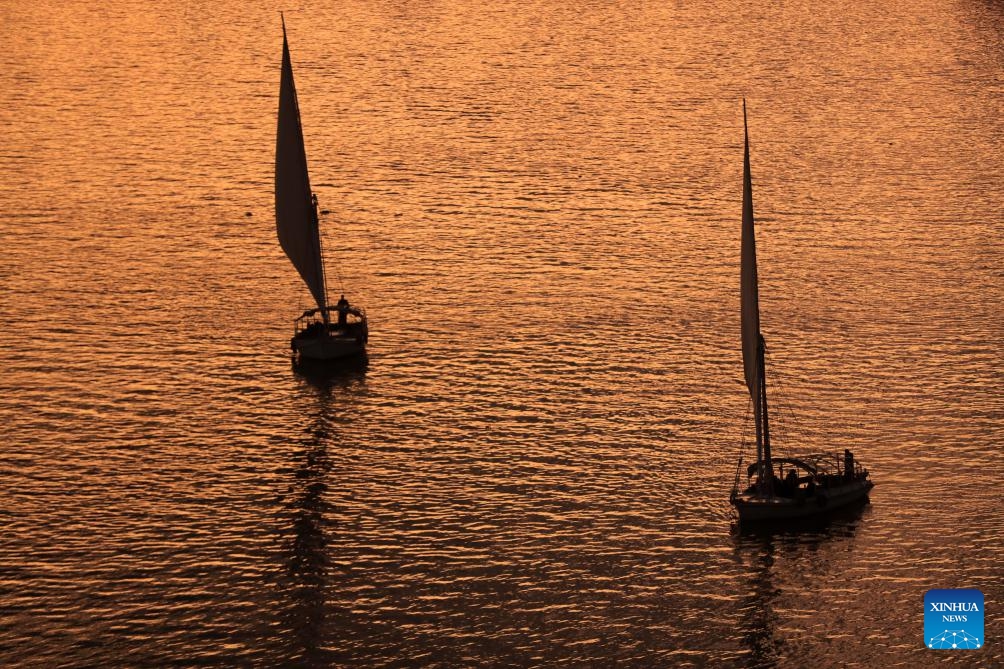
point(538, 203)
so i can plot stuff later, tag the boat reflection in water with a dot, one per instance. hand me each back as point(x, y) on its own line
point(784, 567)
point(304, 576)
point(835, 522)
point(759, 622)
point(331, 376)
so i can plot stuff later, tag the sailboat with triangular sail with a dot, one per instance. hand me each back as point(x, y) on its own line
point(780, 488)
point(316, 335)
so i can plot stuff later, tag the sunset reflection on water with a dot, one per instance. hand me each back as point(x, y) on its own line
point(539, 206)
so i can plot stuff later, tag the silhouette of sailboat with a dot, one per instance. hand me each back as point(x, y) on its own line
point(315, 335)
point(806, 485)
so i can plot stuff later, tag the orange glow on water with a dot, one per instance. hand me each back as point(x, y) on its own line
point(539, 206)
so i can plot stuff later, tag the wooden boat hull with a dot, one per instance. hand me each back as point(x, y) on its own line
point(766, 509)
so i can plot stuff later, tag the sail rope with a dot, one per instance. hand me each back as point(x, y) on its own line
point(333, 259)
point(789, 428)
point(779, 411)
point(743, 443)
point(744, 438)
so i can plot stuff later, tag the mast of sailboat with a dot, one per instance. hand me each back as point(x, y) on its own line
point(297, 217)
point(320, 252)
point(752, 338)
point(768, 467)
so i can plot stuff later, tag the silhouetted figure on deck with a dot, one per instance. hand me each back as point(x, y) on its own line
point(343, 311)
point(791, 482)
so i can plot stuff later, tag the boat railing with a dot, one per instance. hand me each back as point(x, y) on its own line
point(310, 317)
point(823, 469)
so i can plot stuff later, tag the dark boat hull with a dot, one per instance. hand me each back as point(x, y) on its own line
point(339, 342)
point(752, 508)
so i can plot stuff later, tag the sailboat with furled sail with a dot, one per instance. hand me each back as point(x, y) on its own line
point(316, 336)
point(780, 488)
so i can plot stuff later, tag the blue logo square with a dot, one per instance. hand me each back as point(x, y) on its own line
point(953, 619)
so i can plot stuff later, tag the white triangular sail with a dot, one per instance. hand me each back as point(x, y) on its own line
point(295, 213)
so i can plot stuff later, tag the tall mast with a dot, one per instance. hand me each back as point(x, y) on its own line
point(768, 468)
point(320, 252)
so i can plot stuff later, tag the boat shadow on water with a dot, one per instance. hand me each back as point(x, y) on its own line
point(761, 545)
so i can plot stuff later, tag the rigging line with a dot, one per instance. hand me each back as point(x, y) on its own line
point(338, 275)
point(785, 406)
point(744, 435)
point(746, 421)
point(790, 418)
point(780, 404)
point(781, 415)
point(742, 445)
point(338, 269)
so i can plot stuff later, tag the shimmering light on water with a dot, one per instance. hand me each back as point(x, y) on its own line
point(538, 203)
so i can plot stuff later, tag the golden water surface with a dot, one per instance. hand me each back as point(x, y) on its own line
point(539, 204)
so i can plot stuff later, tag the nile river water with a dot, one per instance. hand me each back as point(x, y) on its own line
point(538, 203)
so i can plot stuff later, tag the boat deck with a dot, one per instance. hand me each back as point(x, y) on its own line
point(811, 485)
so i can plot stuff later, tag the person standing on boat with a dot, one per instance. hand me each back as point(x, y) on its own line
point(343, 311)
point(791, 482)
